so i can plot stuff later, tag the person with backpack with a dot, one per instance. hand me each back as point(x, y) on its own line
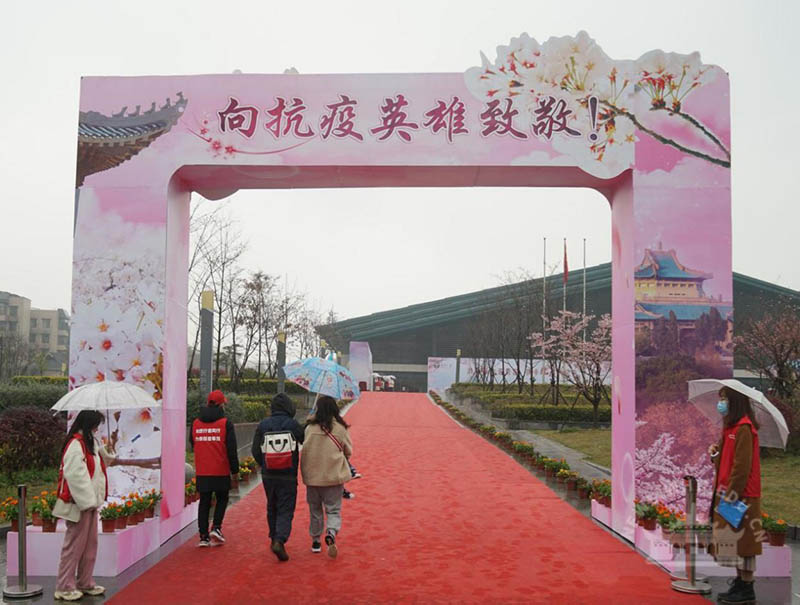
point(82, 490)
point(216, 458)
point(325, 469)
point(275, 448)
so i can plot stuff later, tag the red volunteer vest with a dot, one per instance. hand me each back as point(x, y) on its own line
point(210, 453)
point(753, 487)
point(63, 486)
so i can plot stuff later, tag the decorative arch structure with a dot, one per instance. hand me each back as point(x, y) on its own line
point(651, 134)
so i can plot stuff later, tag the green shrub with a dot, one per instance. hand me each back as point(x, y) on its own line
point(56, 380)
point(30, 438)
point(252, 386)
point(30, 394)
point(254, 411)
point(550, 413)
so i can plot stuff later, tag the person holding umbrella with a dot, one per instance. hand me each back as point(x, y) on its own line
point(216, 458)
point(738, 477)
point(82, 490)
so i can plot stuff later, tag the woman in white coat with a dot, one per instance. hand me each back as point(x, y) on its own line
point(82, 490)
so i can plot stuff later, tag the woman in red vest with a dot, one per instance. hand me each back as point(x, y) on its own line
point(738, 476)
point(216, 459)
point(82, 490)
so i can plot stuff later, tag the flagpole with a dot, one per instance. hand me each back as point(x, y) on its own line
point(544, 283)
point(584, 286)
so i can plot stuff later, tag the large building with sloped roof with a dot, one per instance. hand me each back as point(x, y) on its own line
point(402, 339)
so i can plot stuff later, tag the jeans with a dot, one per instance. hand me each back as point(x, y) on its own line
point(281, 502)
point(204, 507)
point(328, 499)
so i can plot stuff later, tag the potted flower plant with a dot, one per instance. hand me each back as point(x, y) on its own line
point(584, 489)
point(195, 494)
point(153, 498)
point(49, 522)
point(601, 491)
point(244, 473)
point(108, 517)
point(776, 530)
point(649, 516)
point(572, 481)
point(9, 511)
point(36, 510)
point(130, 511)
point(122, 515)
point(562, 475)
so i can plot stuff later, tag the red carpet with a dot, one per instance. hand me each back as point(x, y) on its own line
point(441, 516)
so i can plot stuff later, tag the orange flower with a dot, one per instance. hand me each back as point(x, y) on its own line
point(781, 522)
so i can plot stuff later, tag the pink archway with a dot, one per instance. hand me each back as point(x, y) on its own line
point(651, 134)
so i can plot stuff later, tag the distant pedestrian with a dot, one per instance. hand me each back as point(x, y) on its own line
point(275, 448)
point(82, 490)
point(213, 439)
point(325, 469)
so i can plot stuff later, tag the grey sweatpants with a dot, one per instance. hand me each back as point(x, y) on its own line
point(330, 499)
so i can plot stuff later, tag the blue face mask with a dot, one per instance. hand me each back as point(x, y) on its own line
point(722, 407)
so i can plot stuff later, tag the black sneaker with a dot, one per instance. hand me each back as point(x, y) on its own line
point(733, 586)
point(279, 550)
point(330, 541)
point(216, 536)
point(204, 541)
point(744, 595)
point(316, 546)
point(348, 495)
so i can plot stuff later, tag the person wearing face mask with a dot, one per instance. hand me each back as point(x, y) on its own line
point(737, 477)
point(82, 490)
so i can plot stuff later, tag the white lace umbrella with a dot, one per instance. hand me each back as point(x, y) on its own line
point(106, 396)
point(704, 394)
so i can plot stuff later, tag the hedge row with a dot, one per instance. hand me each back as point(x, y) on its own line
point(246, 386)
point(36, 395)
point(550, 413)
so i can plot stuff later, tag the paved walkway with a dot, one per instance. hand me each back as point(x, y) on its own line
point(552, 449)
point(441, 516)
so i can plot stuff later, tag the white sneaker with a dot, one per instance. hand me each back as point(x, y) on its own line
point(67, 595)
point(93, 591)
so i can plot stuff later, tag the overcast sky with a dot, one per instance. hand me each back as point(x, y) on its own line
point(401, 246)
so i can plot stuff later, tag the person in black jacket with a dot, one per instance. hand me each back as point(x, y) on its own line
point(280, 485)
point(216, 458)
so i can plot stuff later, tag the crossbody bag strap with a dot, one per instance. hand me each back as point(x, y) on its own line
point(334, 439)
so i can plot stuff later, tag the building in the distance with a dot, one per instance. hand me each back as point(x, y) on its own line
point(401, 340)
point(44, 331)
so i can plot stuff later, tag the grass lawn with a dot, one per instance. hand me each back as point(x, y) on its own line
point(779, 471)
point(595, 443)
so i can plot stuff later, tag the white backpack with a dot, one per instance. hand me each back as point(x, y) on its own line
point(277, 449)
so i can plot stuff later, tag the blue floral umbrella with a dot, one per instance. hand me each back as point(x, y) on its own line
point(323, 376)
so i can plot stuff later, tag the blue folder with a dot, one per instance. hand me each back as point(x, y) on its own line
point(732, 512)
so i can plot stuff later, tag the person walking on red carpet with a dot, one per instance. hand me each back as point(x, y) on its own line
point(82, 490)
point(324, 465)
point(213, 439)
point(275, 448)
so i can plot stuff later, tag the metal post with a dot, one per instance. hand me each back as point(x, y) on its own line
point(281, 361)
point(690, 585)
point(458, 366)
point(206, 341)
point(22, 590)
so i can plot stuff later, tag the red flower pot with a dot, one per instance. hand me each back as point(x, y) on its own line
point(15, 525)
point(36, 518)
point(122, 522)
point(150, 512)
point(140, 517)
point(132, 519)
point(49, 525)
point(649, 524)
point(583, 493)
point(548, 472)
point(776, 539)
point(109, 525)
point(572, 484)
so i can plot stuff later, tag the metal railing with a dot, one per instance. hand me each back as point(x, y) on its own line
point(22, 590)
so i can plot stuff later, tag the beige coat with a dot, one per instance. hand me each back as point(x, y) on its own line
point(87, 492)
point(322, 464)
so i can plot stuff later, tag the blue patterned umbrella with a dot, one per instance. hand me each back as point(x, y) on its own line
point(323, 376)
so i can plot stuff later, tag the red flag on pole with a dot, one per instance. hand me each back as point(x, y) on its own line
point(566, 267)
